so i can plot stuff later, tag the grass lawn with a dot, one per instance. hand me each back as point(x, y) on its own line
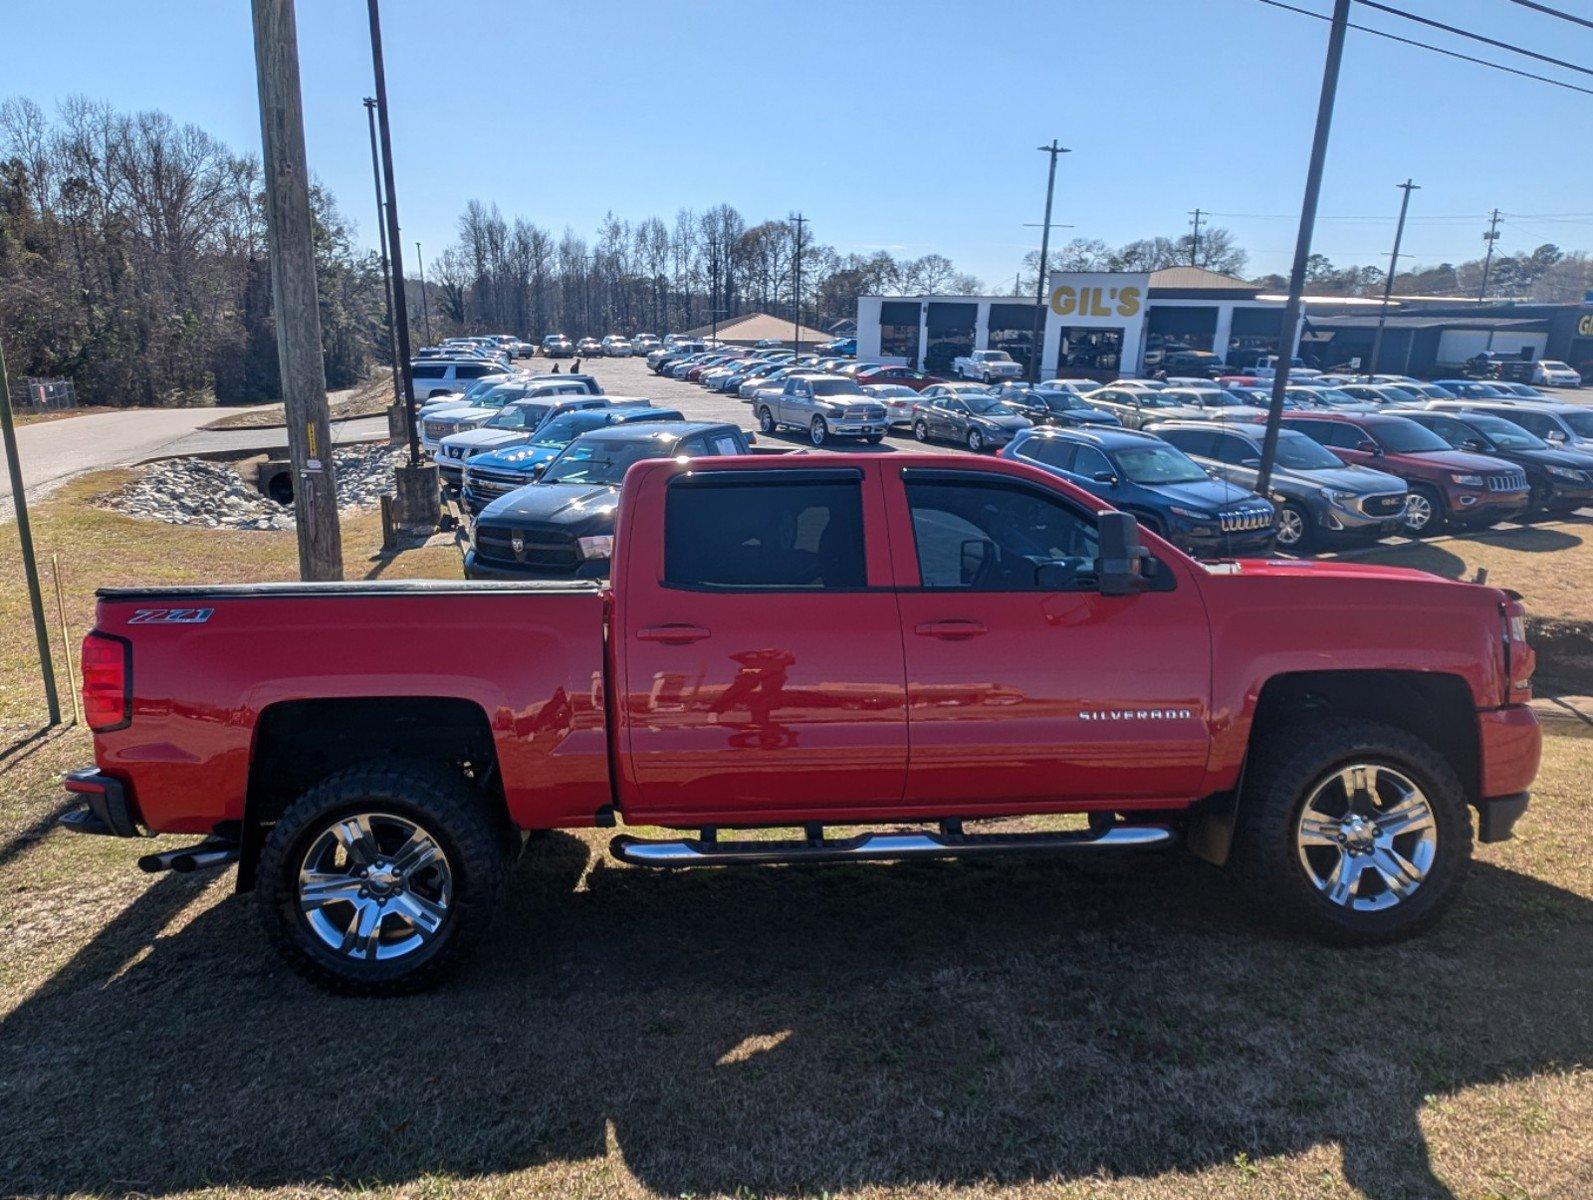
point(928, 1029)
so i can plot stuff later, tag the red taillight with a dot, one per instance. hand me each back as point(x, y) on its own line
point(1520, 660)
point(107, 682)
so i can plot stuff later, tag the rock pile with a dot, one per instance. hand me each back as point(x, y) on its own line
point(195, 491)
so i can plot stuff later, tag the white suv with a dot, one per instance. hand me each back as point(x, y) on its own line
point(438, 376)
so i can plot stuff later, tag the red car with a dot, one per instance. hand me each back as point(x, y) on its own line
point(905, 376)
point(1447, 486)
point(880, 651)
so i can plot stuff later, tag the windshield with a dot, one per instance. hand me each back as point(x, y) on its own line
point(889, 391)
point(986, 406)
point(836, 387)
point(1506, 434)
point(1058, 401)
point(1216, 399)
point(1155, 400)
point(566, 427)
point(1297, 452)
point(603, 461)
point(1407, 437)
point(1158, 464)
point(519, 416)
point(1332, 396)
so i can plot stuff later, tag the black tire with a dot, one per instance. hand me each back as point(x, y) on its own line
point(873, 439)
point(1424, 497)
point(976, 442)
point(921, 431)
point(1288, 513)
point(818, 431)
point(441, 802)
point(1265, 860)
point(766, 420)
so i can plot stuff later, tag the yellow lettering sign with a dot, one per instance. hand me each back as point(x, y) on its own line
point(1095, 302)
point(1584, 327)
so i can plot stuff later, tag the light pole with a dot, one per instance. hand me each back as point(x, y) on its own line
point(796, 287)
point(1388, 284)
point(1035, 348)
point(425, 308)
point(1302, 243)
point(381, 232)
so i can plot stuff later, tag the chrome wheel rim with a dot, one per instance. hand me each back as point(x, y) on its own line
point(1418, 511)
point(1366, 837)
point(1291, 527)
point(816, 431)
point(975, 442)
point(921, 432)
point(374, 887)
point(765, 421)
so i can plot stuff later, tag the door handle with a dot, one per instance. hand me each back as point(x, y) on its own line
point(672, 635)
point(951, 631)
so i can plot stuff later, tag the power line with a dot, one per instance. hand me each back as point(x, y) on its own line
point(1554, 12)
point(1476, 37)
point(1394, 37)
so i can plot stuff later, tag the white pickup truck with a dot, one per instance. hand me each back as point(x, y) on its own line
point(1267, 366)
point(986, 366)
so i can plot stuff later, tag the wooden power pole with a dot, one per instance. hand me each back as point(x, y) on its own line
point(298, 314)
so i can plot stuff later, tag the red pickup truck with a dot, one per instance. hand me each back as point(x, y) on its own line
point(874, 653)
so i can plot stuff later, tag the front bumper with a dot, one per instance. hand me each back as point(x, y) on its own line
point(480, 568)
point(110, 810)
point(1565, 494)
point(1466, 505)
point(1251, 543)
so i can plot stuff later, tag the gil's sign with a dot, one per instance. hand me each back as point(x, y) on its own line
point(1084, 298)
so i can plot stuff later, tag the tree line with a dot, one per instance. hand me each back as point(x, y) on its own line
point(133, 260)
point(513, 276)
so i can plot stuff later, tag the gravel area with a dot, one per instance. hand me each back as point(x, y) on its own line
point(196, 491)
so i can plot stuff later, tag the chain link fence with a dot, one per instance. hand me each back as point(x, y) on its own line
point(43, 395)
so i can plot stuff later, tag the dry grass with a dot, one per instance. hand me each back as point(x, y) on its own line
point(39, 418)
point(930, 1029)
point(369, 399)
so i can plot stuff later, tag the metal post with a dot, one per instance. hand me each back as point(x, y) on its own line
point(1388, 284)
point(66, 638)
point(293, 290)
point(1038, 336)
point(425, 308)
point(400, 298)
point(1302, 244)
point(381, 235)
point(30, 568)
point(1194, 243)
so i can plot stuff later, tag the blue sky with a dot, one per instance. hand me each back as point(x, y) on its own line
point(909, 126)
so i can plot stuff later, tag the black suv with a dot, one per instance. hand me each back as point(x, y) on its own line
point(1561, 481)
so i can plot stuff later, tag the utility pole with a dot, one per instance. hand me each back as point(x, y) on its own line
point(1037, 337)
point(1194, 244)
point(425, 306)
point(796, 287)
point(30, 567)
point(1388, 284)
point(419, 490)
point(1490, 237)
point(297, 309)
point(1302, 244)
point(387, 278)
point(713, 293)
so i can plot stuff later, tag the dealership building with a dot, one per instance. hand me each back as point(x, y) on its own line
point(1107, 325)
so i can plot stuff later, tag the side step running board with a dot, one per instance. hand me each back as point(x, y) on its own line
point(710, 852)
point(212, 853)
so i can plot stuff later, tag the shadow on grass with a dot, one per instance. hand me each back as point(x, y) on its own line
point(782, 1029)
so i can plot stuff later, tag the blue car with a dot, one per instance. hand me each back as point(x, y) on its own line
point(488, 476)
point(1163, 487)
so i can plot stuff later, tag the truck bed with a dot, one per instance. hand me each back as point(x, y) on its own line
point(212, 665)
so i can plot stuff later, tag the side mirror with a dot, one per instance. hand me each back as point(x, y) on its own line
point(1471, 444)
point(538, 470)
point(1119, 565)
point(1105, 477)
point(1369, 447)
point(1557, 436)
point(976, 554)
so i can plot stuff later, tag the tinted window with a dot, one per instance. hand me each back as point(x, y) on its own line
point(427, 371)
point(605, 462)
point(1406, 437)
point(1296, 452)
point(472, 371)
point(519, 416)
point(1053, 452)
point(1090, 462)
point(1234, 450)
point(990, 535)
point(1537, 423)
point(726, 443)
point(759, 535)
point(1452, 431)
point(836, 387)
point(1192, 441)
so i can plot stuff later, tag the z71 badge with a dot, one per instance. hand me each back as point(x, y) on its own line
point(170, 616)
